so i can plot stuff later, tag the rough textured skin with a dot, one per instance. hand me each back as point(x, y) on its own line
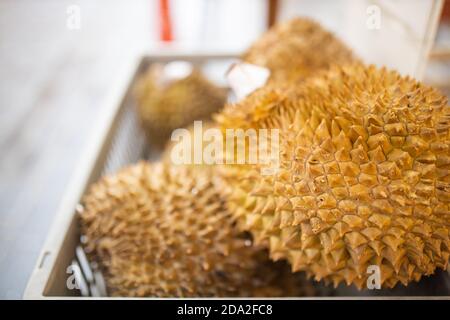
point(364, 179)
point(293, 51)
point(253, 109)
point(161, 231)
point(164, 107)
point(297, 49)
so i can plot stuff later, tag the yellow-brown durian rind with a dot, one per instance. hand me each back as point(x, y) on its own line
point(293, 51)
point(163, 231)
point(251, 111)
point(364, 180)
point(164, 107)
point(296, 49)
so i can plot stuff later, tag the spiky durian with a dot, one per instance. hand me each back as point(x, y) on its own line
point(293, 51)
point(296, 49)
point(161, 230)
point(260, 109)
point(164, 106)
point(364, 179)
point(251, 111)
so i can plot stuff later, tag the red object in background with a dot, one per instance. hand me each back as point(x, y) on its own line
point(273, 12)
point(446, 11)
point(165, 23)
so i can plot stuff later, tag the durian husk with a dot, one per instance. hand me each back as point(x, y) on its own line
point(293, 51)
point(364, 179)
point(166, 106)
point(259, 110)
point(163, 231)
point(254, 109)
point(296, 49)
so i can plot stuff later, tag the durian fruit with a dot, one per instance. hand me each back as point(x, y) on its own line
point(260, 109)
point(297, 49)
point(166, 105)
point(263, 108)
point(251, 111)
point(159, 230)
point(363, 179)
point(293, 51)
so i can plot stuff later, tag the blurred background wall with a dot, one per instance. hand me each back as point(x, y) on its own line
point(59, 59)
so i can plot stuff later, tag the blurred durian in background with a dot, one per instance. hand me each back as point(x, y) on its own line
point(170, 100)
point(296, 49)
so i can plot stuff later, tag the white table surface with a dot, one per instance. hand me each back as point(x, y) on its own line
point(52, 83)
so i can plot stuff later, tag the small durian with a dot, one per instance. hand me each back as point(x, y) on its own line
point(363, 179)
point(168, 104)
point(163, 231)
point(296, 49)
